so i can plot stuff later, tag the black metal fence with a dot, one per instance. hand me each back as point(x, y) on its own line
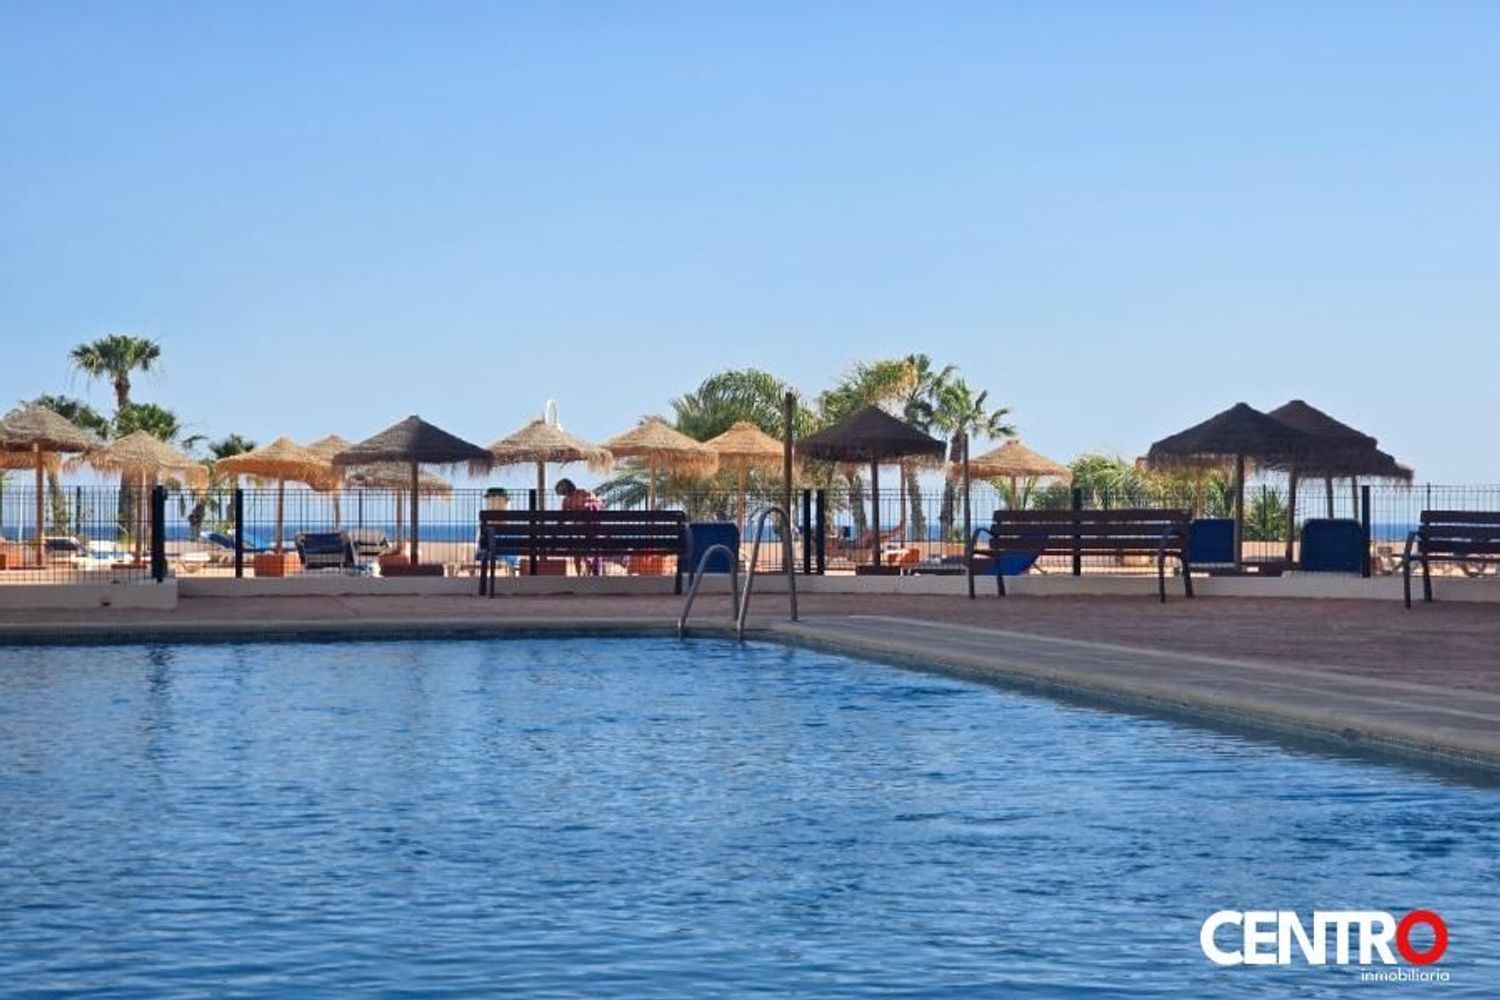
point(110, 533)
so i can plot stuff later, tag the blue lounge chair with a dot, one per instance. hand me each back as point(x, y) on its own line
point(225, 540)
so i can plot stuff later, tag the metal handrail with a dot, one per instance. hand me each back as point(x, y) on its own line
point(787, 561)
point(698, 574)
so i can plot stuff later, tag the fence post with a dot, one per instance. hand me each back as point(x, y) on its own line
point(159, 533)
point(807, 541)
point(1077, 539)
point(820, 529)
point(1366, 527)
point(239, 533)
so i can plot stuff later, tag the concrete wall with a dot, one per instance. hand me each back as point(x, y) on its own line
point(123, 594)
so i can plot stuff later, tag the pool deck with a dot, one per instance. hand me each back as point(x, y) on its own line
point(1423, 684)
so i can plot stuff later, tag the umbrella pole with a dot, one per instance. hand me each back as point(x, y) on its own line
point(1291, 514)
point(415, 488)
point(968, 507)
point(1328, 490)
point(740, 509)
point(541, 486)
point(1239, 510)
point(280, 511)
point(41, 515)
point(140, 521)
point(650, 487)
point(1015, 494)
point(875, 510)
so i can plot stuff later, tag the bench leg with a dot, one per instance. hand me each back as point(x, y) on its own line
point(1406, 581)
point(1161, 577)
point(1426, 580)
point(999, 578)
point(1187, 578)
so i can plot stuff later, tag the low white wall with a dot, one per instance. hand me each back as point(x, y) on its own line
point(1293, 585)
point(146, 594)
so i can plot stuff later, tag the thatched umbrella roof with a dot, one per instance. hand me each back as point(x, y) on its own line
point(748, 443)
point(540, 441)
point(41, 433)
point(284, 460)
point(395, 476)
point(1334, 448)
point(36, 428)
point(1238, 432)
point(870, 435)
point(661, 448)
point(328, 446)
point(143, 454)
point(1013, 460)
point(414, 441)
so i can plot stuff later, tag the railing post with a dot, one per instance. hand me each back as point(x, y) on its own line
point(239, 533)
point(1366, 527)
point(1077, 539)
point(159, 533)
point(820, 529)
point(807, 529)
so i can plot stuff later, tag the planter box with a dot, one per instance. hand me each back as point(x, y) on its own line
point(651, 565)
point(402, 566)
point(544, 567)
point(276, 563)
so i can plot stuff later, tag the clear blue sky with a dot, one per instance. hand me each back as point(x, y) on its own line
point(1118, 217)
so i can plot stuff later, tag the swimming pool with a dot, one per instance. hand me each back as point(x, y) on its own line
point(640, 817)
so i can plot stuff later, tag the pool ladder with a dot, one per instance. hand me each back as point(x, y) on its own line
point(739, 606)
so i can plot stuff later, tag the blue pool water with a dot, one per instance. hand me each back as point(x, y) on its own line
point(645, 818)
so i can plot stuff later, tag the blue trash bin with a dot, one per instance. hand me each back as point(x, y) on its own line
point(1211, 541)
point(704, 534)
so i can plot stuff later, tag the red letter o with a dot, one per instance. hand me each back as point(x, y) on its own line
point(1439, 937)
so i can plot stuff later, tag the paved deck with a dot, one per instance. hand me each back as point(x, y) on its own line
point(1423, 683)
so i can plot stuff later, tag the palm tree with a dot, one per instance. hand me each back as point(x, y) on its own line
point(158, 421)
point(206, 501)
point(961, 411)
point(918, 409)
point(733, 395)
point(114, 358)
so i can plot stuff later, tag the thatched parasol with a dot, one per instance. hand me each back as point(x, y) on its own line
point(1335, 450)
point(325, 448)
point(543, 441)
point(141, 455)
point(1014, 461)
point(1239, 433)
point(871, 435)
point(414, 443)
point(43, 433)
point(658, 447)
point(745, 446)
point(282, 460)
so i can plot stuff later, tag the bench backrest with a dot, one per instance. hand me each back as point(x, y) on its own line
point(1460, 533)
point(583, 532)
point(1124, 530)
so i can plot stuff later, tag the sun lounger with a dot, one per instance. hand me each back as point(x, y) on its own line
point(330, 550)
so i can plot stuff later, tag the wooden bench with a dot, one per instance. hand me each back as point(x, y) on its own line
point(582, 534)
point(1459, 536)
point(1079, 533)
